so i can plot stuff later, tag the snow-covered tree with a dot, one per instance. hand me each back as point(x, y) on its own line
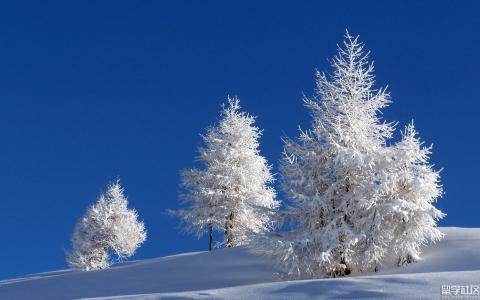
point(356, 202)
point(108, 227)
point(232, 192)
point(412, 188)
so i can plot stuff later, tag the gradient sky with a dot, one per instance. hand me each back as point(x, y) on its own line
point(92, 90)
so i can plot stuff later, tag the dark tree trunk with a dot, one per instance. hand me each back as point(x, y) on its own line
point(228, 230)
point(211, 236)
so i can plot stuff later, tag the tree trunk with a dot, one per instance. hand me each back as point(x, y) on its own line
point(211, 237)
point(228, 230)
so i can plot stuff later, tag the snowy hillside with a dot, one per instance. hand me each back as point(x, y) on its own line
point(237, 274)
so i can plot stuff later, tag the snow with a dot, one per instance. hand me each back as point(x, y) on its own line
point(238, 274)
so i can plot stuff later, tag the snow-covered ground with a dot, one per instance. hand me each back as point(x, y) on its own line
point(238, 274)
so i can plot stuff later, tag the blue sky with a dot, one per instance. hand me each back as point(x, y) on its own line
point(92, 90)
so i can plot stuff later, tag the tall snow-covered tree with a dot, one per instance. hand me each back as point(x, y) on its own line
point(356, 202)
point(232, 192)
point(108, 227)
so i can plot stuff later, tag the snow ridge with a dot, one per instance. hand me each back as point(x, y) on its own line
point(238, 274)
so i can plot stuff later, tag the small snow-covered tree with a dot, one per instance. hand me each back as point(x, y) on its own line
point(233, 192)
point(403, 218)
point(356, 202)
point(108, 226)
point(412, 188)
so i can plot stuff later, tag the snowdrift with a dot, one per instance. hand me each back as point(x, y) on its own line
point(238, 274)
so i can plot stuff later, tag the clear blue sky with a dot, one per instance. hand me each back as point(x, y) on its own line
point(93, 90)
